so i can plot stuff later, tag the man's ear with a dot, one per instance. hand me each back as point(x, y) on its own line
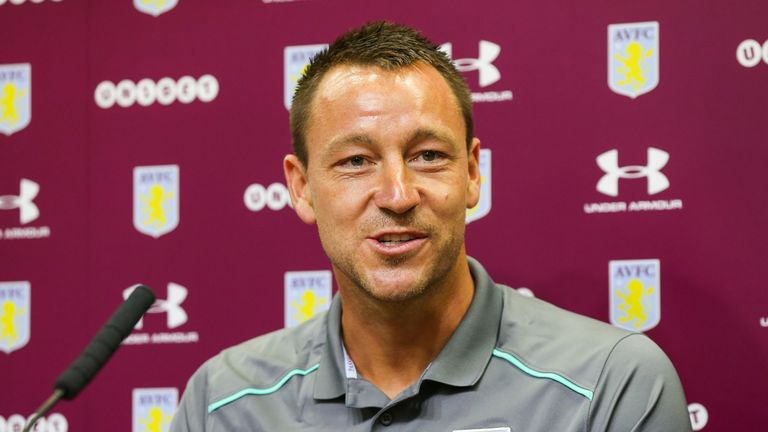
point(298, 185)
point(473, 165)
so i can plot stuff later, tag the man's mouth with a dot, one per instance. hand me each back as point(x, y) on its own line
point(398, 243)
point(395, 239)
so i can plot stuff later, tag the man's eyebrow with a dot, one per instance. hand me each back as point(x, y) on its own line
point(430, 134)
point(419, 135)
point(339, 142)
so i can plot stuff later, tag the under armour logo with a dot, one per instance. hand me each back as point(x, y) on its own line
point(489, 74)
point(609, 163)
point(176, 315)
point(27, 209)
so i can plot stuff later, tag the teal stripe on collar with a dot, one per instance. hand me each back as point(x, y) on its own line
point(546, 375)
point(257, 392)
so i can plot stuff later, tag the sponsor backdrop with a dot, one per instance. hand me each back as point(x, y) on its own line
point(141, 142)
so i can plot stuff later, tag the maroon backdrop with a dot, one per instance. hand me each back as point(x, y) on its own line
point(175, 182)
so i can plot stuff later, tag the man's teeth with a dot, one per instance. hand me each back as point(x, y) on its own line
point(393, 239)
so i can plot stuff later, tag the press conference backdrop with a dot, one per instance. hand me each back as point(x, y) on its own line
point(623, 177)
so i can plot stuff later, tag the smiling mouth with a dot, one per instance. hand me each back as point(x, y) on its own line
point(395, 239)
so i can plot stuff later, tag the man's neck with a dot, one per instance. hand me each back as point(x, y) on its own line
point(391, 344)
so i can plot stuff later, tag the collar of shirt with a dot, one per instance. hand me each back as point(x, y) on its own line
point(461, 362)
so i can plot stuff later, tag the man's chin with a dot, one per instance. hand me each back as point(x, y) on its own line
point(395, 285)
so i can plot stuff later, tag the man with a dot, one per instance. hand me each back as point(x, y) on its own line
point(419, 338)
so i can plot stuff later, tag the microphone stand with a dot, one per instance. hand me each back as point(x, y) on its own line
point(44, 408)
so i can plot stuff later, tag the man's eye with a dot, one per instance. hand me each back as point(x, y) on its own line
point(356, 161)
point(429, 155)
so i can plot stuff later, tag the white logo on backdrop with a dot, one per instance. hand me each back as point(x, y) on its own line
point(165, 91)
point(28, 211)
point(488, 52)
point(609, 163)
point(52, 423)
point(488, 73)
point(274, 196)
point(656, 182)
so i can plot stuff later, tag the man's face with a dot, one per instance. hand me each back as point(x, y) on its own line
point(389, 178)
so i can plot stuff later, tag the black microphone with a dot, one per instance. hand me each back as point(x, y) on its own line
point(119, 326)
point(96, 354)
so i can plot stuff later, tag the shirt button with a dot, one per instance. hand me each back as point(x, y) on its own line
point(385, 418)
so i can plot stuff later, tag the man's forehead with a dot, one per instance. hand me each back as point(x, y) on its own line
point(356, 90)
point(340, 78)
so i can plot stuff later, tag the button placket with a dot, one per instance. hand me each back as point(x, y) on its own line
point(386, 418)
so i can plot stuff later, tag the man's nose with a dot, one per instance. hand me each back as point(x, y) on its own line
point(396, 190)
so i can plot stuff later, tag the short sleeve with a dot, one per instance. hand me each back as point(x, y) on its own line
point(638, 391)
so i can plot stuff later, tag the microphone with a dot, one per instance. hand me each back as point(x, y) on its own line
point(107, 340)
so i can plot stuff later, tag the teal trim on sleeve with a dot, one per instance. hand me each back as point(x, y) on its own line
point(547, 375)
point(254, 391)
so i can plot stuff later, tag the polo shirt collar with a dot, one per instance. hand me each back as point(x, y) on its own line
point(460, 363)
point(464, 358)
point(331, 376)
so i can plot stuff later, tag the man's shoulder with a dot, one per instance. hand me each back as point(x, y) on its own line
point(540, 317)
point(547, 338)
point(287, 345)
point(262, 362)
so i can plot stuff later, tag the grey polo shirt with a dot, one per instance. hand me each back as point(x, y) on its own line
point(514, 364)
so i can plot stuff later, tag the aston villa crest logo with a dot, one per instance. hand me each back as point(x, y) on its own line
point(153, 408)
point(307, 293)
point(156, 199)
point(15, 97)
point(483, 206)
point(154, 7)
point(14, 315)
point(635, 291)
point(633, 58)
point(295, 62)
